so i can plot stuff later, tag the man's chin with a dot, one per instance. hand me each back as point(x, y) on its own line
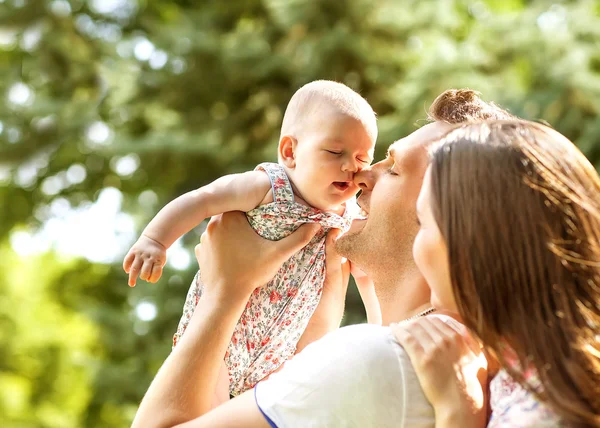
point(351, 244)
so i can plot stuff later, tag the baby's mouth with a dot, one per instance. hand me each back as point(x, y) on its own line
point(341, 185)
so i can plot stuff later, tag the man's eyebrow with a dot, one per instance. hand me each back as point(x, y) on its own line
point(391, 151)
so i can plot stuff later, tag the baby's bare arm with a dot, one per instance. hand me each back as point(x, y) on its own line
point(235, 192)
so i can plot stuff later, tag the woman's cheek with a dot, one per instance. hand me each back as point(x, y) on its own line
point(418, 252)
point(425, 258)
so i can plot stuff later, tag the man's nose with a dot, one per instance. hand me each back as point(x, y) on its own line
point(365, 178)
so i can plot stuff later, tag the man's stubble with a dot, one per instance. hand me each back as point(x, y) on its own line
point(383, 250)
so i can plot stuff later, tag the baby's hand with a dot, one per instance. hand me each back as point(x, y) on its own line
point(146, 258)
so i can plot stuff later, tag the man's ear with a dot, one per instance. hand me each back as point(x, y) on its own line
point(287, 150)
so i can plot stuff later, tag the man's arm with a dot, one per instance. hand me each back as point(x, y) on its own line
point(366, 289)
point(185, 383)
point(234, 261)
point(330, 310)
point(240, 412)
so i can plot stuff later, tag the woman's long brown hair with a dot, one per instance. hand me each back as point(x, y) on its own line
point(519, 208)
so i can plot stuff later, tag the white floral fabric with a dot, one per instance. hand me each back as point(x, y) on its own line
point(277, 314)
point(514, 406)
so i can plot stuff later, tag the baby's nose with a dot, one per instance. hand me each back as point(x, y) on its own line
point(350, 166)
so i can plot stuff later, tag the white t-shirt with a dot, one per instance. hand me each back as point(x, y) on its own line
point(356, 376)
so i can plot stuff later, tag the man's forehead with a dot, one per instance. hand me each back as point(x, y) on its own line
point(419, 138)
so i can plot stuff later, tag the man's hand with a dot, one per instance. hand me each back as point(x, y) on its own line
point(366, 289)
point(357, 272)
point(328, 315)
point(146, 258)
point(451, 369)
point(234, 260)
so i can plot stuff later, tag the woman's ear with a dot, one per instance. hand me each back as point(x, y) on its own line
point(287, 151)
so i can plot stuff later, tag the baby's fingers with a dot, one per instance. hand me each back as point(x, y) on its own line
point(146, 270)
point(129, 258)
point(156, 272)
point(134, 271)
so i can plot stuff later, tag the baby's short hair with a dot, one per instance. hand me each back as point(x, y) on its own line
point(313, 97)
point(457, 106)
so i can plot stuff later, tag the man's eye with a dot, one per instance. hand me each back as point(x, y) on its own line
point(363, 160)
point(391, 171)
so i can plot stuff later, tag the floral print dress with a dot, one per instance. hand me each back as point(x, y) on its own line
point(277, 314)
point(514, 406)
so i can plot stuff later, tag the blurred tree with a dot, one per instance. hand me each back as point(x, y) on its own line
point(153, 98)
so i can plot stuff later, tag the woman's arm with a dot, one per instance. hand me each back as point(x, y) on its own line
point(234, 261)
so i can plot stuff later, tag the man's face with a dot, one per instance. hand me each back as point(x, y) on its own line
point(382, 244)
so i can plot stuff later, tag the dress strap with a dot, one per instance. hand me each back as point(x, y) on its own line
point(280, 183)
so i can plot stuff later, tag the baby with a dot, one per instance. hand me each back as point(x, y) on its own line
point(328, 134)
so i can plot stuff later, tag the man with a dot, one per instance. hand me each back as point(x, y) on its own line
point(356, 376)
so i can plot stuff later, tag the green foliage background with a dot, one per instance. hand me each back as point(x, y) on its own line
point(205, 99)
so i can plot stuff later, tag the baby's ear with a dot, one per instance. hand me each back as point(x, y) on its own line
point(287, 151)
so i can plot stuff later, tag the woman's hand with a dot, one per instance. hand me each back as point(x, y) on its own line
point(234, 260)
point(451, 369)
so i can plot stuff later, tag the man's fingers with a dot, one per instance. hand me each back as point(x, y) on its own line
point(331, 255)
point(134, 272)
point(332, 236)
point(296, 241)
point(129, 258)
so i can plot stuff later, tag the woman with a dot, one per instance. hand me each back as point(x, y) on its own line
point(510, 240)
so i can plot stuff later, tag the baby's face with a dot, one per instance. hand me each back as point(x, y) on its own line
point(327, 157)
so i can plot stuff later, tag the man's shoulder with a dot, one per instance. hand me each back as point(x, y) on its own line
point(361, 348)
point(355, 376)
point(369, 336)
